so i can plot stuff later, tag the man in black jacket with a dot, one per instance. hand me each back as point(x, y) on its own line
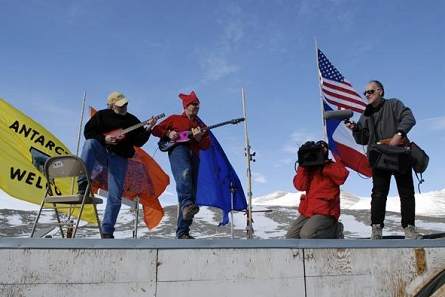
point(387, 120)
point(112, 151)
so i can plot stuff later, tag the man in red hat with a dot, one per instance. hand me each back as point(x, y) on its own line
point(186, 138)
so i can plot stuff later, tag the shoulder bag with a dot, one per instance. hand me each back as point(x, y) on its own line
point(392, 158)
point(419, 159)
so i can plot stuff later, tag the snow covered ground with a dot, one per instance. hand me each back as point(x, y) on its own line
point(272, 215)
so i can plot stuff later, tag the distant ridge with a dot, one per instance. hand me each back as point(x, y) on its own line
point(280, 198)
point(431, 203)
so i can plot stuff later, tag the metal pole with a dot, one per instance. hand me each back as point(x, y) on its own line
point(136, 217)
point(320, 80)
point(232, 194)
point(79, 134)
point(249, 227)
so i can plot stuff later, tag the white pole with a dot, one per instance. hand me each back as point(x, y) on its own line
point(320, 81)
point(79, 134)
point(249, 227)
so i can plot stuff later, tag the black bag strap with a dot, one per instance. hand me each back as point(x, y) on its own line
point(421, 180)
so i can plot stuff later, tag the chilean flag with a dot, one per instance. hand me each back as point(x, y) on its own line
point(340, 93)
point(343, 146)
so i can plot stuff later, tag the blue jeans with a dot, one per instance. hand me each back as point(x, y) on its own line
point(93, 152)
point(184, 165)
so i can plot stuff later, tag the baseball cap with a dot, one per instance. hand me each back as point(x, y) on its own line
point(117, 98)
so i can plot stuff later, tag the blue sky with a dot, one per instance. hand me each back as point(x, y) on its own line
point(52, 52)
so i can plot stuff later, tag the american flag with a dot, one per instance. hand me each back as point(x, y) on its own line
point(339, 93)
point(336, 89)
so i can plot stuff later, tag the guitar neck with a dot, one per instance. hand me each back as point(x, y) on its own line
point(217, 125)
point(129, 129)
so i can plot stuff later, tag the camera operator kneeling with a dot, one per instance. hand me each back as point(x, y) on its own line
point(319, 207)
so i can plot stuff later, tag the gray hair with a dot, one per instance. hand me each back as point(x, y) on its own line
point(380, 85)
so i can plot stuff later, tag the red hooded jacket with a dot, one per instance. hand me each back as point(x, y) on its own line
point(322, 186)
point(183, 123)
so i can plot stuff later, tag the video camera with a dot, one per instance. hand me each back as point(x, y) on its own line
point(312, 154)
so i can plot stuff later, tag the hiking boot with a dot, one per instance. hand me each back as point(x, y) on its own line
point(376, 231)
point(411, 232)
point(189, 211)
point(108, 236)
point(185, 235)
point(82, 188)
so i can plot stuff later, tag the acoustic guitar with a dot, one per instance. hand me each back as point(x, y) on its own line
point(120, 133)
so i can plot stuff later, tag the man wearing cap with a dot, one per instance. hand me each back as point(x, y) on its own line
point(112, 151)
point(184, 157)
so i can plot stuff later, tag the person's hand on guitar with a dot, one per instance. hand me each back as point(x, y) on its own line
point(173, 135)
point(197, 133)
point(151, 123)
point(111, 139)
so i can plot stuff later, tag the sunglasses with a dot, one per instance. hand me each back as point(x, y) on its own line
point(370, 92)
point(194, 103)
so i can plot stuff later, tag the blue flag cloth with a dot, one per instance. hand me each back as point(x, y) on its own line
point(215, 180)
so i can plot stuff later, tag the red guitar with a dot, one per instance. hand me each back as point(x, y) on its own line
point(120, 133)
point(184, 136)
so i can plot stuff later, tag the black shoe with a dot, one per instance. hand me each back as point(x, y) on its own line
point(82, 188)
point(189, 211)
point(185, 235)
point(105, 235)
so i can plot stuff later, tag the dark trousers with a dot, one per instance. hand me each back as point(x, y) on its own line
point(381, 180)
point(317, 226)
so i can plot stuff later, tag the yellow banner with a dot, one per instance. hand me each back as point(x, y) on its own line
point(24, 147)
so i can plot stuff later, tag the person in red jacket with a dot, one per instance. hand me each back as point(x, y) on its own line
point(320, 206)
point(183, 136)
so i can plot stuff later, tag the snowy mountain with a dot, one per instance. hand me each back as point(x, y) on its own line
point(272, 215)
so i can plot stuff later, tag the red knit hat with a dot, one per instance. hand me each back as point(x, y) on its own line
point(187, 99)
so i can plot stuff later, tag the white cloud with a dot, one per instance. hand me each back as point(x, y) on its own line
point(217, 66)
point(296, 139)
point(259, 178)
point(433, 124)
point(285, 162)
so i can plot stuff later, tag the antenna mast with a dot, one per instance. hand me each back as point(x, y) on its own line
point(79, 134)
point(249, 227)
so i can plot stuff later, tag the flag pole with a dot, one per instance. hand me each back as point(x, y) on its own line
point(81, 122)
point(232, 193)
point(249, 227)
point(323, 122)
point(79, 133)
